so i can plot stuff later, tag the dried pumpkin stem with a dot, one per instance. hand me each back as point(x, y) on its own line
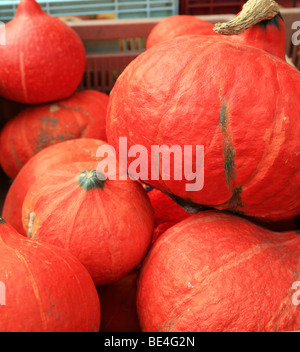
point(253, 12)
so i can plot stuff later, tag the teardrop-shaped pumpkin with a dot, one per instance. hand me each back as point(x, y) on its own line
point(82, 149)
point(216, 272)
point(106, 224)
point(43, 59)
point(81, 116)
point(44, 288)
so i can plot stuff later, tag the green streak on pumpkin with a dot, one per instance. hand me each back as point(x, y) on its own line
point(2, 221)
point(91, 180)
point(235, 201)
point(228, 150)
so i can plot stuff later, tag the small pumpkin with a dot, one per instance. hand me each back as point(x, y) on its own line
point(44, 288)
point(43, 59)
point(216, 272)
point(178, 25)
point(81, 116)
point(82, 149)
point(106, 224)
point(166, 212)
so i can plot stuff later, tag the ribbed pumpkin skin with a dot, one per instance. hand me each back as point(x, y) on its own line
point(43, 59)
point(118, 305)
point(166, 212)
point(83, 149)
point(178, 25)
point(199, 91)
point(47, 289)
point(220, 273)
point(35, 128)
point(108, 229)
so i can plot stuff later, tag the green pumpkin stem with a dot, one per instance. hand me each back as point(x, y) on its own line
point(91, 179)
point(2, 221)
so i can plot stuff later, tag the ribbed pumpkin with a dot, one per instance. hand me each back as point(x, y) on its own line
point(83, 149)
point(43, 59)
point(35, 128)
point(239, 102)
point(118, 305)
point(178, 25)
point(43, 288)
point(107, 224)
point(218, 272)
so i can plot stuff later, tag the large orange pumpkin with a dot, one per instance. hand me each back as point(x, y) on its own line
point(35, 128)
point(82, 149)
point(107, 224)
point(200, 91)
point(218, 272)
point(43, 288)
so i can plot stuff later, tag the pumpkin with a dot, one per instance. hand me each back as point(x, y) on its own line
point(118, 305)
point(166, 212)
point(258, 24)
point(43, 288)
point(83, 149)
point(106, 224)
point(43, 59)
point(216, 272)
point(178, 25)
point(81, 116)
point(201, 92)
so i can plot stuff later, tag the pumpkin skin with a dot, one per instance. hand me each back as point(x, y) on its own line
point(83, 149)
point(216, 272)
point(43, 59)
point(118, 305)
point(35, 128)
point(71, 208)
point(268, 35)
point(178, 25)
point(59, 293)
point(166, 212)
point(250, 168)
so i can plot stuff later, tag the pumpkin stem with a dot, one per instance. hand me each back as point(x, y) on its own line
point(91, 179)
point(2, 221)
point(253, 12)
point(29, 7)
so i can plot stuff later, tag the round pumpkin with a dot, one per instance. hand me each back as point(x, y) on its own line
point(35, 128)
point(107, 224)
point(166, 212)
point(118, 305)
point(216, 272)
point(43, 59)
point(83, 149)
point(199, 91)
point(44, 288)
point(178, 25)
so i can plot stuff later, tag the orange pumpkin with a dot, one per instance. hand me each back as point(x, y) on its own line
point(43, 288)
point(35, 128)
point(107, 224)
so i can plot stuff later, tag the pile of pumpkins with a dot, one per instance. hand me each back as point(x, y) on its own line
point(82, 252)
